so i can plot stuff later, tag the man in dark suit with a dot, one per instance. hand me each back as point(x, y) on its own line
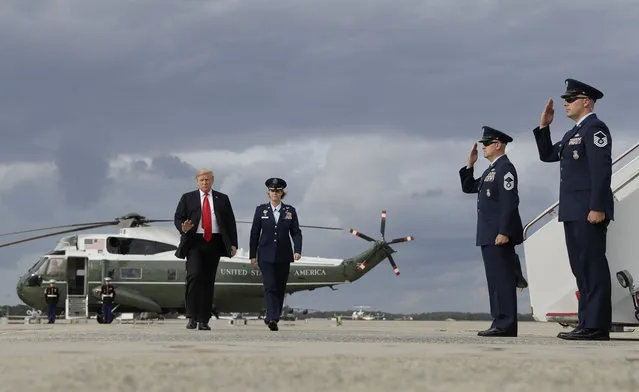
point(206, 222)
point(585, 203)
point(270, 247)
point(499, 227)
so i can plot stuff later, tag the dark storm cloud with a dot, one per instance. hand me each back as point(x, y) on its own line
point(162, 73)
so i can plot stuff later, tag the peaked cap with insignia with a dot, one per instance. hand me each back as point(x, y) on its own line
point(491, 134)
point(275, 183)
point(575, 87)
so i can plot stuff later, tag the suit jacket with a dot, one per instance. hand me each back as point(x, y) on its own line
point(585, 161)
point(497, 201)
point(190, 207)
point(269, 240)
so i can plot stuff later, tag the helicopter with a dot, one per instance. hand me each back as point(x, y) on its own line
point(148, 277)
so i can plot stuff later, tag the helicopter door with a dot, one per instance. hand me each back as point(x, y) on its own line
point(76, 272)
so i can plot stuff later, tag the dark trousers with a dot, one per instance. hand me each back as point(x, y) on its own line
point(586, 245)
point(106, 312)
point(274, 279)
point(51, 309)
point(201, 267)
point(499, 262)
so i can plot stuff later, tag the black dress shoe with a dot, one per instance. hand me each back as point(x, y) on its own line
point(587, 334)
point(203, 327)
point(272, 325)
point(191, 325)
point(577, 329)
point(498, 332)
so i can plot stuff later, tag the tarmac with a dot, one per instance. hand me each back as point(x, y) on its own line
point(312, 355)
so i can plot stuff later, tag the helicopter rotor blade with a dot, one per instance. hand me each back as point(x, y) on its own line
point(403, 239)
point(57, 227)
point(56, 233)
point(383, 243)
point(361, 235)
point(392, 262)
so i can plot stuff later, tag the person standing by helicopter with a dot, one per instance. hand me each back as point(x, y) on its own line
point(499, 227)
point(107, 293)
point(52, 297)
point(208, 230)
point(270, 247)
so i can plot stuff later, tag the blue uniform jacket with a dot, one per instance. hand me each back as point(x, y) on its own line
point(585, 161)
point(497, 201)
point(269, 240)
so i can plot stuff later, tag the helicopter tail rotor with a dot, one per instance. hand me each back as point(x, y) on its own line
point(382, 242)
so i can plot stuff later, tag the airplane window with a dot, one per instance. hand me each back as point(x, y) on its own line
point(131, 273)
point(171, 274)
point(135, 246)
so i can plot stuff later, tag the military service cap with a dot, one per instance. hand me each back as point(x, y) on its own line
point(575, 87)
point(107, 279)
point(51, 280)
point(275, 183)
point(491, 134)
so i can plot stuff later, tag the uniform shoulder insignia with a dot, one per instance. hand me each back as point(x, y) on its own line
point(509, 181)
point(600, 139)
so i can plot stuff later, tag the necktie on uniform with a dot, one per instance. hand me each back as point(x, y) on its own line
point(207, 225)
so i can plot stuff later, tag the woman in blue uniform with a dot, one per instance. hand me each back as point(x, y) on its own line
point(274, 225)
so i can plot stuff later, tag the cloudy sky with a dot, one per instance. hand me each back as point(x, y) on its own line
point(108, 107)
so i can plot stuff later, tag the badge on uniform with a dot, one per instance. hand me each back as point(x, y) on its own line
point(289, 215)
point(490, 177)
point(488, 192)
point(509, 181)
point(600, 139)
point(575, 154)
point(573, 141)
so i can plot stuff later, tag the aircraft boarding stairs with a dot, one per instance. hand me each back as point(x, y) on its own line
point(553, 290)
point(76, 307)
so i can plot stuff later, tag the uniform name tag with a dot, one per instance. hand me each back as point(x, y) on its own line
point(573, 141)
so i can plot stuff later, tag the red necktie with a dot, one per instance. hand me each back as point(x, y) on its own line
point(207, 225)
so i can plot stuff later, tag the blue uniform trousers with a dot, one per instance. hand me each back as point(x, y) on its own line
point(274, 278)
point(586, 245)
point(51, 309)
point(499, 262)
point(106, 312)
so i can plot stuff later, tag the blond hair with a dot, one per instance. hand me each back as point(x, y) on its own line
point(203, 171)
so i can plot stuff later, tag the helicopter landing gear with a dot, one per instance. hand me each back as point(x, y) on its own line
point(625, 280)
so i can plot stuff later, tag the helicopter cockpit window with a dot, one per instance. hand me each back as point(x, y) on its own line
point(57, 266)
point(37, 267)
point(136, 246)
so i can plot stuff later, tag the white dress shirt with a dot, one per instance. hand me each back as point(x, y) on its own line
point(276, 211)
